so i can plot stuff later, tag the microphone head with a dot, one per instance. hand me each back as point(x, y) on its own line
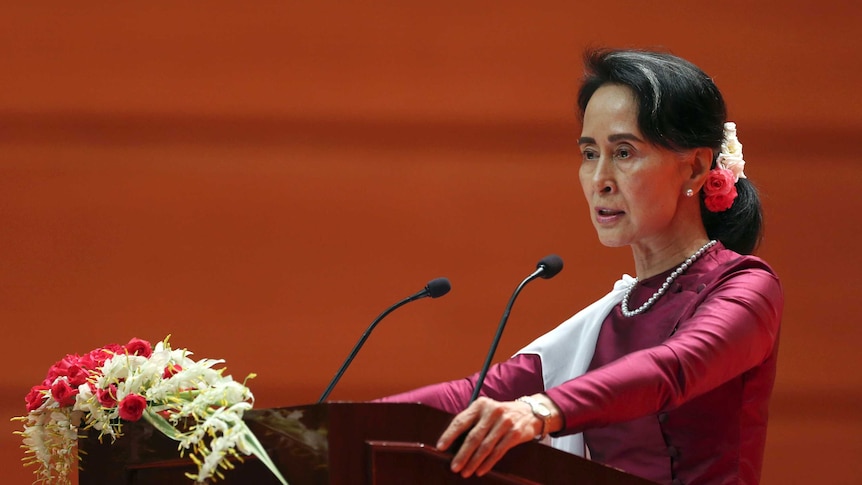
point(438, 287)
point(550, 265)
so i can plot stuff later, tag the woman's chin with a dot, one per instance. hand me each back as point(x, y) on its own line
point(612, 242)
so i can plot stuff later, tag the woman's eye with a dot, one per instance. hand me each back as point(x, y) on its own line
point(623, 153)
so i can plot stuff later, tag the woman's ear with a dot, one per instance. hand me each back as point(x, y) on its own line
point(700, 162)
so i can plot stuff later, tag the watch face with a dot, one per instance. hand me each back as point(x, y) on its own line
point(542, 411)
point(537, 407)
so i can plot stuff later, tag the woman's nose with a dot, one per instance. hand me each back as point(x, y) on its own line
point(603, 179)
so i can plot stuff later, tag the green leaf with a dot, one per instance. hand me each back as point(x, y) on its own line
point(162, 424)
point(257, 450)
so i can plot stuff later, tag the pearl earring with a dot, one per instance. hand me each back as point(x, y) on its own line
point(689, 193)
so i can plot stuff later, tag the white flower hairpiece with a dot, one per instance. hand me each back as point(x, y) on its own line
point(730, 157)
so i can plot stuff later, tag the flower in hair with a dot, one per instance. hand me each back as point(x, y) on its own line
point(730, 157)
point(720, 189)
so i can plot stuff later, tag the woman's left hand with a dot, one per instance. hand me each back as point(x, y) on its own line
point(494, 428)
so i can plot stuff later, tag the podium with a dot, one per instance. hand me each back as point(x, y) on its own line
point(337, 443)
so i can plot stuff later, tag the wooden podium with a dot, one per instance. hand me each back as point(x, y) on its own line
point(337, 443)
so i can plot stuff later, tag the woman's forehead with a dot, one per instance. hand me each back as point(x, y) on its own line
point(613, 107)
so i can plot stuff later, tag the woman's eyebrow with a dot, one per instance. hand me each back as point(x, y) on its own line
point(613, 138)
point(624, 137)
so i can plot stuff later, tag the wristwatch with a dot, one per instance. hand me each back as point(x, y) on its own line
point(540, 411)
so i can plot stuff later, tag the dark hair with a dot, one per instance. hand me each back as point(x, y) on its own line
point(679, 108)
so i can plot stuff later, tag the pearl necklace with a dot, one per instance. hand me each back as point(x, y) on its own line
point(661, 291)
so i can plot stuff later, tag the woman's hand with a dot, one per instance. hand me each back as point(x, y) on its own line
point(494, 427)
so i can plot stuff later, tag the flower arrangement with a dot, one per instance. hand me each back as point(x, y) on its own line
point(720, 188)
point(188, 401)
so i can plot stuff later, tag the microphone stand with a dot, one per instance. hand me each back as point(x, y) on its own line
point(435, 289)
point(499, 334)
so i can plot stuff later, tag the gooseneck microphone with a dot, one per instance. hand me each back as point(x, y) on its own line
point(547, 268)
point(435, 289)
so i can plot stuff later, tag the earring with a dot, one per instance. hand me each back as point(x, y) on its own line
point(689, 193)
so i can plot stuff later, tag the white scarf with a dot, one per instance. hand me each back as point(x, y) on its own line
point(567, 350)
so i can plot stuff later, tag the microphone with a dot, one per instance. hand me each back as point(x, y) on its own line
point(435, 289)
point(547, 268)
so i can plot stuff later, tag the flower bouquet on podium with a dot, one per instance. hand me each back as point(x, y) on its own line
point(188, 401)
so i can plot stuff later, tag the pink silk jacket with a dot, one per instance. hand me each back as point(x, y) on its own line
point(677, 394)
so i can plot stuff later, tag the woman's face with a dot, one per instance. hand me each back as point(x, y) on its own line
point(633, 187)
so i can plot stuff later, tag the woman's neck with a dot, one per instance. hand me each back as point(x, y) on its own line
point(654, 259)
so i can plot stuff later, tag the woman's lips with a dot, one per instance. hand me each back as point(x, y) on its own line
point(604, 214)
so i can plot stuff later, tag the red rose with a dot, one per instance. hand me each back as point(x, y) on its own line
point(140, 347)
point(61, 368)
point(63, 393)
point(64, 363)
point(170, 370)
point(86, 361)
point(97, 358)
point(93, 360)
point(77, 375)
point(36, 397)
point(719, 190)
point(132, 407)
point(719, 203)
point(719, 181)
point(107, 397)
point(113, 348)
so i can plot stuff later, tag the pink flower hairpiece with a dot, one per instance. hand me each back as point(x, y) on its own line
point(720, 187)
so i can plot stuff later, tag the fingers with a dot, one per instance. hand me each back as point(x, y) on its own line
point(494, 428)
point(506, 442)
point(479, 442)
point(488, 452)
point(459, 425)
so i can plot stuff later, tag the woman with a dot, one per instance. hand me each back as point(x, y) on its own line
point(668, 376)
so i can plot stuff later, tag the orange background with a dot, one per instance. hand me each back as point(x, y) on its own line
point(260, 181)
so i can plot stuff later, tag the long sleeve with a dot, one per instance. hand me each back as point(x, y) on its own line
point(505, 381)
